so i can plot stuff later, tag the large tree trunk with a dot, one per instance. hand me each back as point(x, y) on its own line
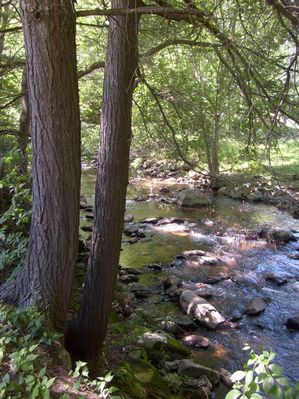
point(45, 278)
point(23, 138)
point(87, 332)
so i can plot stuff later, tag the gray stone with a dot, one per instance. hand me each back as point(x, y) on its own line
point(256, 306)
point(193, 199)
point(196, 341)
point(128, 218)
point(191, 369)
point(198, 307)
point(276, 235)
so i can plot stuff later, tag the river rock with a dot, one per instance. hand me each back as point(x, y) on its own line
point(172, 281)
point(171, 327)
point(276, 235)
point(131, 228)
point(293, 322)
point(196, 341)
point(198, 307)
point(256, 306)
point(193, 199)
point(185, 323)
point(275, 278)
point(128, 278)
point(191, 369)
point(149, 340)
point(225, 377)
point(128, 218)
point(295, 287)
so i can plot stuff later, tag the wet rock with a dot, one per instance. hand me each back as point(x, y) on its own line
point(237, 314)
point(276, 235)
point(256, 306)
point(197, 341)
point(193, 199)
point(249, 279)
point(205, 293)
point(293, 322)
point(274, 278)
point(191, 369)
point(256, 196)
point(86, 207)
point(154, 266)
point(128, 278)
point(171, 281)
point(209, 260)
point(198, 307)
point(89, 216)
point(295, 287)
point(225, 377)
point(171, 327)
point(130, 229)
point(212, 280)
point(185, 323)
point(194, 252)
point(294, 255)
point(149, 340)
point(152, 220)
point(130, 270)
point(144, 291)
point(128, 218)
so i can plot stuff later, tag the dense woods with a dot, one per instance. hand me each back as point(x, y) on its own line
point(205, 91)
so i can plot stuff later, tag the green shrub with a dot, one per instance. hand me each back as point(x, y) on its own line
point(261, 378)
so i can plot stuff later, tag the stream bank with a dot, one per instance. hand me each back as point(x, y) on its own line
point(242, 262)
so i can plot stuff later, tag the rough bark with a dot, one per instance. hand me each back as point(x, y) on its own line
point(87, 332)
point(46, 276)
point(24, 128)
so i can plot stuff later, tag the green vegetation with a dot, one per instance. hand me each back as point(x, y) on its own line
point(211, 86)
point(261, 377)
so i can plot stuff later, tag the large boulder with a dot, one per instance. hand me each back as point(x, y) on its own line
point(193, 199)
point(198, 307)
point(191, 369)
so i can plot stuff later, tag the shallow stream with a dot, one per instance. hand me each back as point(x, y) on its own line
point(248, 260)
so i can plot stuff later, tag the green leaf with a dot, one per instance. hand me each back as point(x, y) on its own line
point(268, 384)
point(256, 396)
point(233, 394)
point(50, 382)
point(46, 394)
point(249, 377)
point(238, 375)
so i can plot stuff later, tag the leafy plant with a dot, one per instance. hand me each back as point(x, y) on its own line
point(100, 385)
point(261, 378)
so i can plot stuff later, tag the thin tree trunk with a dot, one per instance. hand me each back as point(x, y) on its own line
point(87, 333)
point(45, 278)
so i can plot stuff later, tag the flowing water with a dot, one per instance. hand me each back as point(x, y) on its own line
point(225, 222)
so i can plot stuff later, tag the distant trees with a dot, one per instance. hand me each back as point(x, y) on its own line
point(223, 81)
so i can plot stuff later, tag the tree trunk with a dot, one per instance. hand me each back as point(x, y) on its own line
point(23, 138)
point(87, 332)
point(45, 278)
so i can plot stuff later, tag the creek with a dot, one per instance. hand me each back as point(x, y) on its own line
point(221, 230)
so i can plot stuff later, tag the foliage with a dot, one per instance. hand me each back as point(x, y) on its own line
point(99, 385)
point(22, 333)
point(15, 219)
point(261, 378)
point(24, 343)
